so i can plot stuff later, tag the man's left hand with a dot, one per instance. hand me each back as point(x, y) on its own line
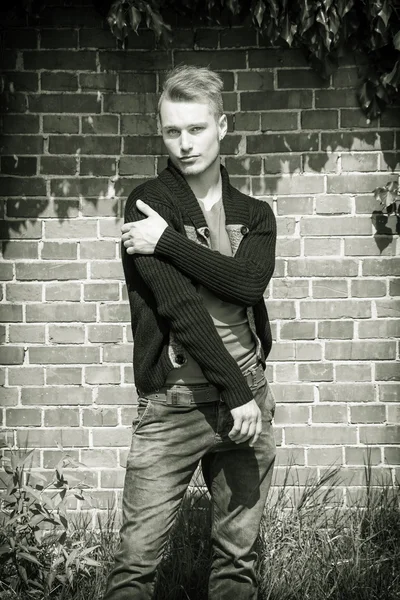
point(141, 237)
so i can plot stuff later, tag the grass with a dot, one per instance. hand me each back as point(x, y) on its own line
point(310, 548)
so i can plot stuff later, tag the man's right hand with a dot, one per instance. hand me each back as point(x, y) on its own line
point(246, 423)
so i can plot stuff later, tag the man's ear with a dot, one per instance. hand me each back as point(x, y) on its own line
point(222, 126)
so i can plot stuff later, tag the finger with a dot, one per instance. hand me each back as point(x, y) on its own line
point(258, 430)
point(127, 227)
point(235, 431)
point(130, 250)
point(145, 208)
point(126, 236)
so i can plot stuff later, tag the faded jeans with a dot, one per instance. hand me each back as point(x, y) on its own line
point(167, 444)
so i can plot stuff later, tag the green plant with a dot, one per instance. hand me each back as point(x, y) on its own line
point(37, 554)
point(389, 197)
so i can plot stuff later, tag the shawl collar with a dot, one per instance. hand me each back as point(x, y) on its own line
point(235, 203)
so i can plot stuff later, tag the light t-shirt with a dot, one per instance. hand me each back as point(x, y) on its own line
point(229, 319)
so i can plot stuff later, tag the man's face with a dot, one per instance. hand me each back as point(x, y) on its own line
point(192, 135)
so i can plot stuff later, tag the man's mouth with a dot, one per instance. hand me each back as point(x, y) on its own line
point(188, 158)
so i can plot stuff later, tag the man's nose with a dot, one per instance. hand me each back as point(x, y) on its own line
point(186, 141)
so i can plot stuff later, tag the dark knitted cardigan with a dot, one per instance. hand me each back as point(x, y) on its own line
point(162, 287)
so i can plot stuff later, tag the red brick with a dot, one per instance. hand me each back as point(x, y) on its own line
point(387, 371)
point(336, 99)
point(283, 163)
point(140, 61)
point(19, 249)
point(292, 142)
point(21, 144)
point(319, 119)
point(60, 124)
point(66, 334)
point(8, 60)
point(290, 392)
point(137, 82)
point(368, 288)
point(96, 38)
point(13, 103)
point(300, 78)
point(388, 308)
point(392, 456)
point(63, 312)
point(58, 38)
point(103, 374)
point(332, 413)
point(23, 165)
point(359, 162)
point(99, 458)
point(26, 376)
point(316, 372)
point(288, 121)
point(138, 165)
point(63, 375)
point(367, 414)
point(23, 334)
point(324, 456)
point(296, 330)
point(55, 165)
point(318, 267)
point(112, 436)
point(295, 206)
point(64, 103)
point(105, 333)
point(48, 438)
point(380, 434)
point(20, 230)
point(112, 479)
point(112, 395)
point(286, 373)
point(345, 77)
point(394, 287)
point(291, 414)
point(288, 247)
point(60, 60)
point(315, 435)
point(379, 266)
point(138, 125)
point(330, 288)
point(341, 392)
point(381, 328)
point(255, 80)
point(63, 292)
point(224, 59)
point(350, 118)
point(251, 101)
point(333, 205)
point(354, 182)
point(100, 417)
point(338, 310)
point(117, 353)
point(362, 456)
point(276, 57)
point(64, 354)
point(11, 355)
point(368, 247)
point(63, 82)
point(316, 226)
point(321, 246)
point(59, 250)
point(48, 395)
point(390, 117)
point(23, 292)
point(357, 350)
point(10, 313)
point(50, 271)
point(389, 161)
point(9, 396)
point(64, 417)
point(84, 145)
point(308, 351)
point(19, 82)
point(100, 124)
point(20, 124)
point(149, 145)
point(23, 417)
point(349, 372)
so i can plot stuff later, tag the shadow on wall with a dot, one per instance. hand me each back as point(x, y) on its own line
point(290, 159)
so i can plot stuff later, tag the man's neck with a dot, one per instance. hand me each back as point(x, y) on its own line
point(207, 186)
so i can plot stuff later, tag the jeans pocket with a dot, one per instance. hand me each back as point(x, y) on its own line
point(143, 411)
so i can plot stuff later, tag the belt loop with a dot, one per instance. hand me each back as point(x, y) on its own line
point(172, 397)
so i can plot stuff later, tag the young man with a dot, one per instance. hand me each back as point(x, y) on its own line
point(197, 256)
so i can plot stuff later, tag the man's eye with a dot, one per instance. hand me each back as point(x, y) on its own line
point(197, 129)
point(173, 132)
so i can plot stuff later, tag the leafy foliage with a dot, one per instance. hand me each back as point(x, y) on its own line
point(323, 29)
point(37, 555)
point(389, 197)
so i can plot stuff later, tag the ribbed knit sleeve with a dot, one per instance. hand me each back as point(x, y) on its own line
point(178, 301)
point(241, 279)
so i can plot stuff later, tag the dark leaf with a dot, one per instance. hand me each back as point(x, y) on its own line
point(393, 78)
point(135, 17)
point(396, 40)
point(259, 11)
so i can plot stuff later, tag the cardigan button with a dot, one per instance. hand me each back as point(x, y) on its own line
point(244, 230)
point(207, 232)
point(180, 359)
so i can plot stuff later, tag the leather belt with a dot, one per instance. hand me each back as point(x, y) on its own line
point(183, 395)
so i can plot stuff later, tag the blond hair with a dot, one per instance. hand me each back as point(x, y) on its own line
point(187, 83)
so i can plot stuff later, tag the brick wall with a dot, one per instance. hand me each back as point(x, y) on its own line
point(80, 132)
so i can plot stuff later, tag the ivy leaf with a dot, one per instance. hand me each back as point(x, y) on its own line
point(396, 40)
point(385, 12)
point(259, 12)
point(393, 78)
point(288, 30)
point(344, 6)
point(233, 6)
point(135, 17)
